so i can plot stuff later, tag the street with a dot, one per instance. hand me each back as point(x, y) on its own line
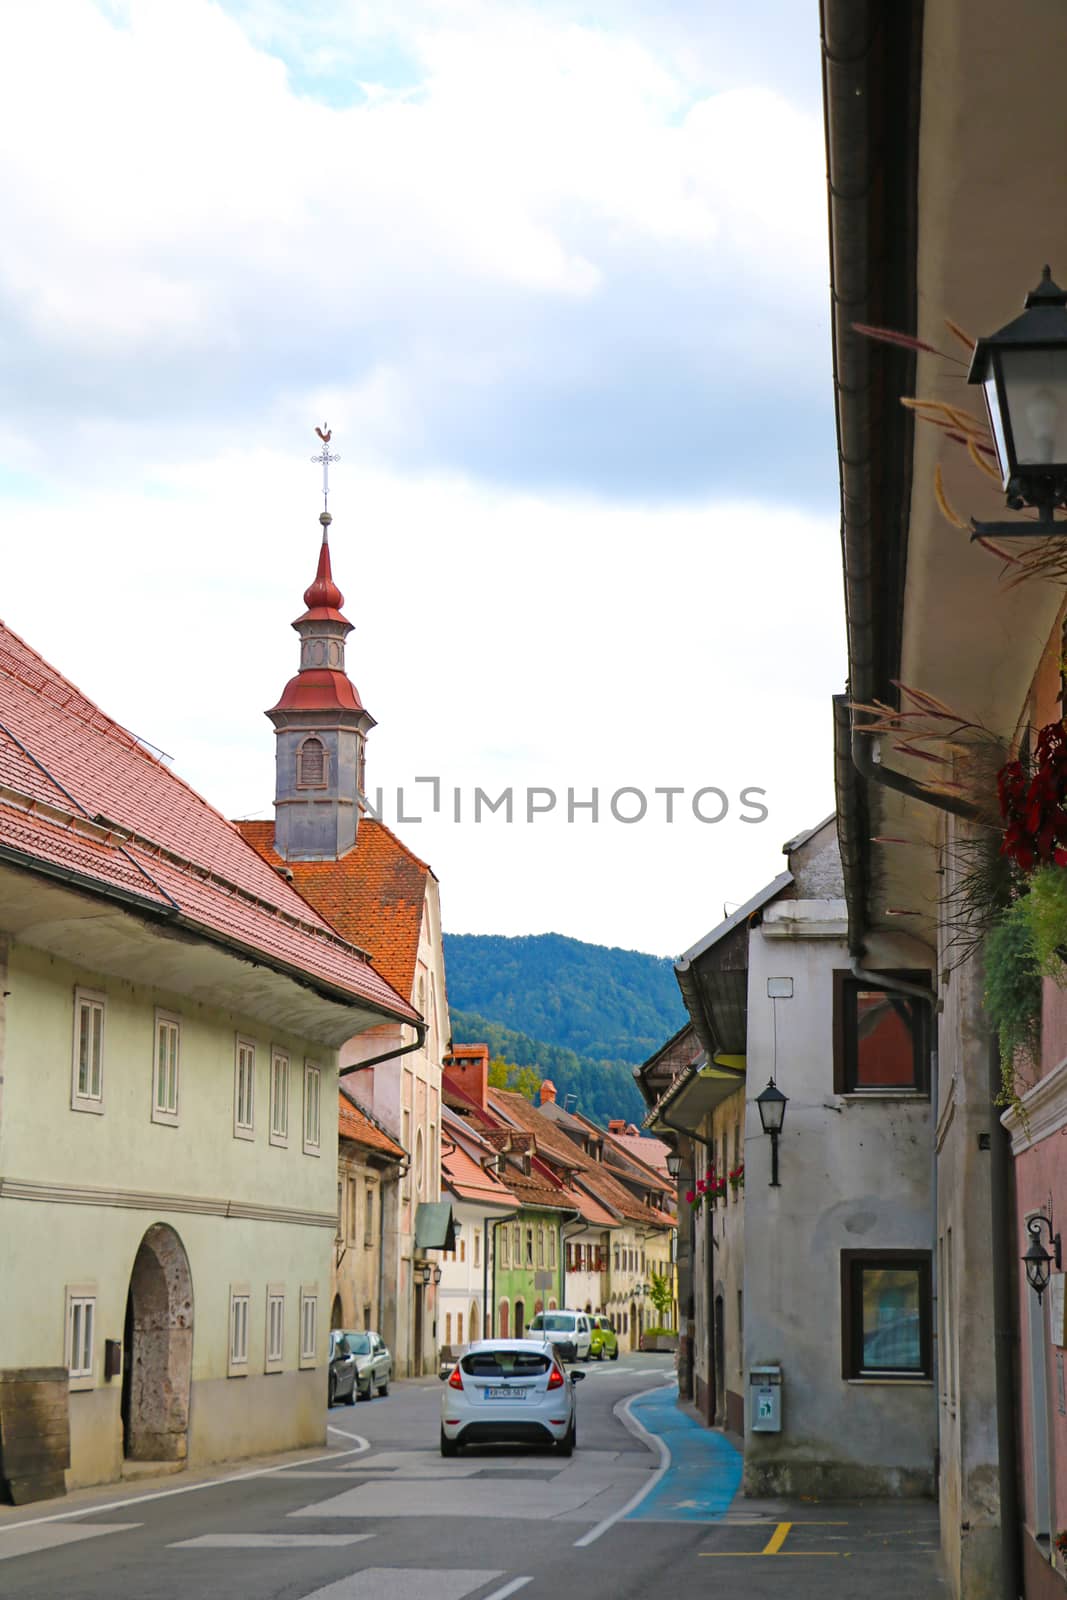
point(641, 1509)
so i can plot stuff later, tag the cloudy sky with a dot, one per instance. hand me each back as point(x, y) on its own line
point(555, 274)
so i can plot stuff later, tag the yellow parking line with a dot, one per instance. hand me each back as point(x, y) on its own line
point(740, 1555)
point(777, 1539)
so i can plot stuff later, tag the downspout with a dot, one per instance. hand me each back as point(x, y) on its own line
point(389, 1055)
point(709, 1274)
point(1001, 1172)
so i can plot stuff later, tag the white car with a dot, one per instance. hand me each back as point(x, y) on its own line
point(569, 1332)
point(508, 1390)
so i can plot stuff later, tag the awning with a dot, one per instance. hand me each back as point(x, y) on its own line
point(697, 1092)
point(435, 1226)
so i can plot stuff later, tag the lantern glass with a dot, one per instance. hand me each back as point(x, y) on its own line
point(771, 1104)
point(996, 427)
point(674, 1163)
point(1034, 387)
point(1037, 1264)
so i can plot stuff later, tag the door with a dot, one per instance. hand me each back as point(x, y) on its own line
point(520, 1318)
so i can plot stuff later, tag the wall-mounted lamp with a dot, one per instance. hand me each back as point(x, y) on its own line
point(674, 1163)
point(771, 1104)
point(1038, 1261)
point(1023, 370)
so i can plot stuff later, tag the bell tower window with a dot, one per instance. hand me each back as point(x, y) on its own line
point(311, 765)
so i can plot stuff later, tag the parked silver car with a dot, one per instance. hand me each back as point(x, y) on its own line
point(360, 1364)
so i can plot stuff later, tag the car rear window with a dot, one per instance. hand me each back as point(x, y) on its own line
point(505, 1364)
point(553, 1322)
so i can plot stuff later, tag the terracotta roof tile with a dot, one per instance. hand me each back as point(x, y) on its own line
point(373, 896)
point(355, 1124)
point(470, 1181)
point(79, 787)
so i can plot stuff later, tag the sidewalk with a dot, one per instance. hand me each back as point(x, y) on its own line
point(882, 1548)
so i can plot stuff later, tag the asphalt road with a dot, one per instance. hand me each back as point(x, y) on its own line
point(644, 1510)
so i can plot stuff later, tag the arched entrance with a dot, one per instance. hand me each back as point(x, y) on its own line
point(474, 1330)
point(158, 1350)
point(502, 1318)
point(337, 1316)
point(520, 1317)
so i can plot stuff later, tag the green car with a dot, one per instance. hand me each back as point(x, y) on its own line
point(602, 1340)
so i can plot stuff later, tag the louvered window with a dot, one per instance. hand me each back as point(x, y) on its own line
point(312, 765)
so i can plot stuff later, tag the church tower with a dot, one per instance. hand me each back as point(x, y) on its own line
point(320, 725)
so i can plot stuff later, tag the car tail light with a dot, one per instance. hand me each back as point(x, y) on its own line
point(555, 1379)
point(456, 1380)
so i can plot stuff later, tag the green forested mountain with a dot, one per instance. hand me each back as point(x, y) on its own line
point(605, 1089)
point(607, 1004)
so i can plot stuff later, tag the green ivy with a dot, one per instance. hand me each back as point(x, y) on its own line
point(1013, 989)
point(1046, 915)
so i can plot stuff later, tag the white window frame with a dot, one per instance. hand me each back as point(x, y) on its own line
point(279, 1127)
point(274, 1323)
point(238, 1331)
point(168, 1114)
point(351, 1209)
point(80, 1299)
point(312, 1101)
point(309, 1324)
point(81, 1100)
point(244, 1127)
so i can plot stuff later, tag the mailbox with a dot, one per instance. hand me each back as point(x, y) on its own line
point(765, 1400)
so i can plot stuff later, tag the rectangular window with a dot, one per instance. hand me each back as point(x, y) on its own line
point(309, 1324)
point(238, 1362)
point(368, 1217)
point(462, 1250)
point(516, 1245)
point(505, 1253)
point(405, 1140)
point(886, 1311)
point(80, 1340)
point(529, 1247)
point(279, 1098)
point(351, 1210)
point(312, 1092)
point(540, 1247)
point(881, 1037)
point(244, 1088)
point(274, 1351)
point(459, 1327)
point(87, 1070)
point(166, 1066)
point(477, 1249)
point(435, 1164)
point(552, 1248)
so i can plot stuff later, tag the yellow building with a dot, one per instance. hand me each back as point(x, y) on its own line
point(169, 1032)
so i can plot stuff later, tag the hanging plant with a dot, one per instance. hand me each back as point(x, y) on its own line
point(1033, 802)
point(1046, 915)
point(1013, 995)
point(737, 1177)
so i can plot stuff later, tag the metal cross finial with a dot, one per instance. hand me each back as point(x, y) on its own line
point(325, 458)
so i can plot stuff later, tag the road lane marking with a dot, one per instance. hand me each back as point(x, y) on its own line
point(185, 1488)
point(742, 1555)
point(509, 1588)
point(52, 1538)
point(627, 1418)
point(406, 1583)
point(777, 1539)
point(364, 1444)
point(269, 1541)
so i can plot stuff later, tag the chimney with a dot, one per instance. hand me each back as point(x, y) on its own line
point(617, 1125)
point(548, 1091)
point(468, 1067)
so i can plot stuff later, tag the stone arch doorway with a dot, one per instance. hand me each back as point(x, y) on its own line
point(337, 1316)
point(158, 1350)
point(520, 1318)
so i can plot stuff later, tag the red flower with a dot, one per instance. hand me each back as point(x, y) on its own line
point(701, 1185)
point(1034, 808)
point(690, 1196)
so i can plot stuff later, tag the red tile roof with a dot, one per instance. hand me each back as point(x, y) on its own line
point(373, 896)
point(355, 1124)
point(469, 1181)
point(77, 789)
point(554, 1144)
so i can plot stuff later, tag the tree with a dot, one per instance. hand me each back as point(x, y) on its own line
point(659, 1292)
point(507, 1075)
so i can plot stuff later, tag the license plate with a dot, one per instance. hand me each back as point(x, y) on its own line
point(505, 1394)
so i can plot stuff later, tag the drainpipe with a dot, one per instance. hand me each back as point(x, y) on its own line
point(389, 1055)
point(509, 1216)
point(709, 1274)
point(1001, 1174)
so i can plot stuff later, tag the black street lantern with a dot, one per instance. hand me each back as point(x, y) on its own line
point(771, 1103)
point(674, 1163)
point(1023, 370)
point(1038, 1261)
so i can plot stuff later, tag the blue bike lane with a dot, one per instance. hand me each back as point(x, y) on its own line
point(704, 1470)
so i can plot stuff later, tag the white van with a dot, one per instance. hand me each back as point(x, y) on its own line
point(568, 1332)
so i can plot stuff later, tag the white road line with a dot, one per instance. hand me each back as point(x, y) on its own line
point(270, 1541)
point(189, 1488)
point(627, 1418)
point(509, 1588)
point(364, 1444)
